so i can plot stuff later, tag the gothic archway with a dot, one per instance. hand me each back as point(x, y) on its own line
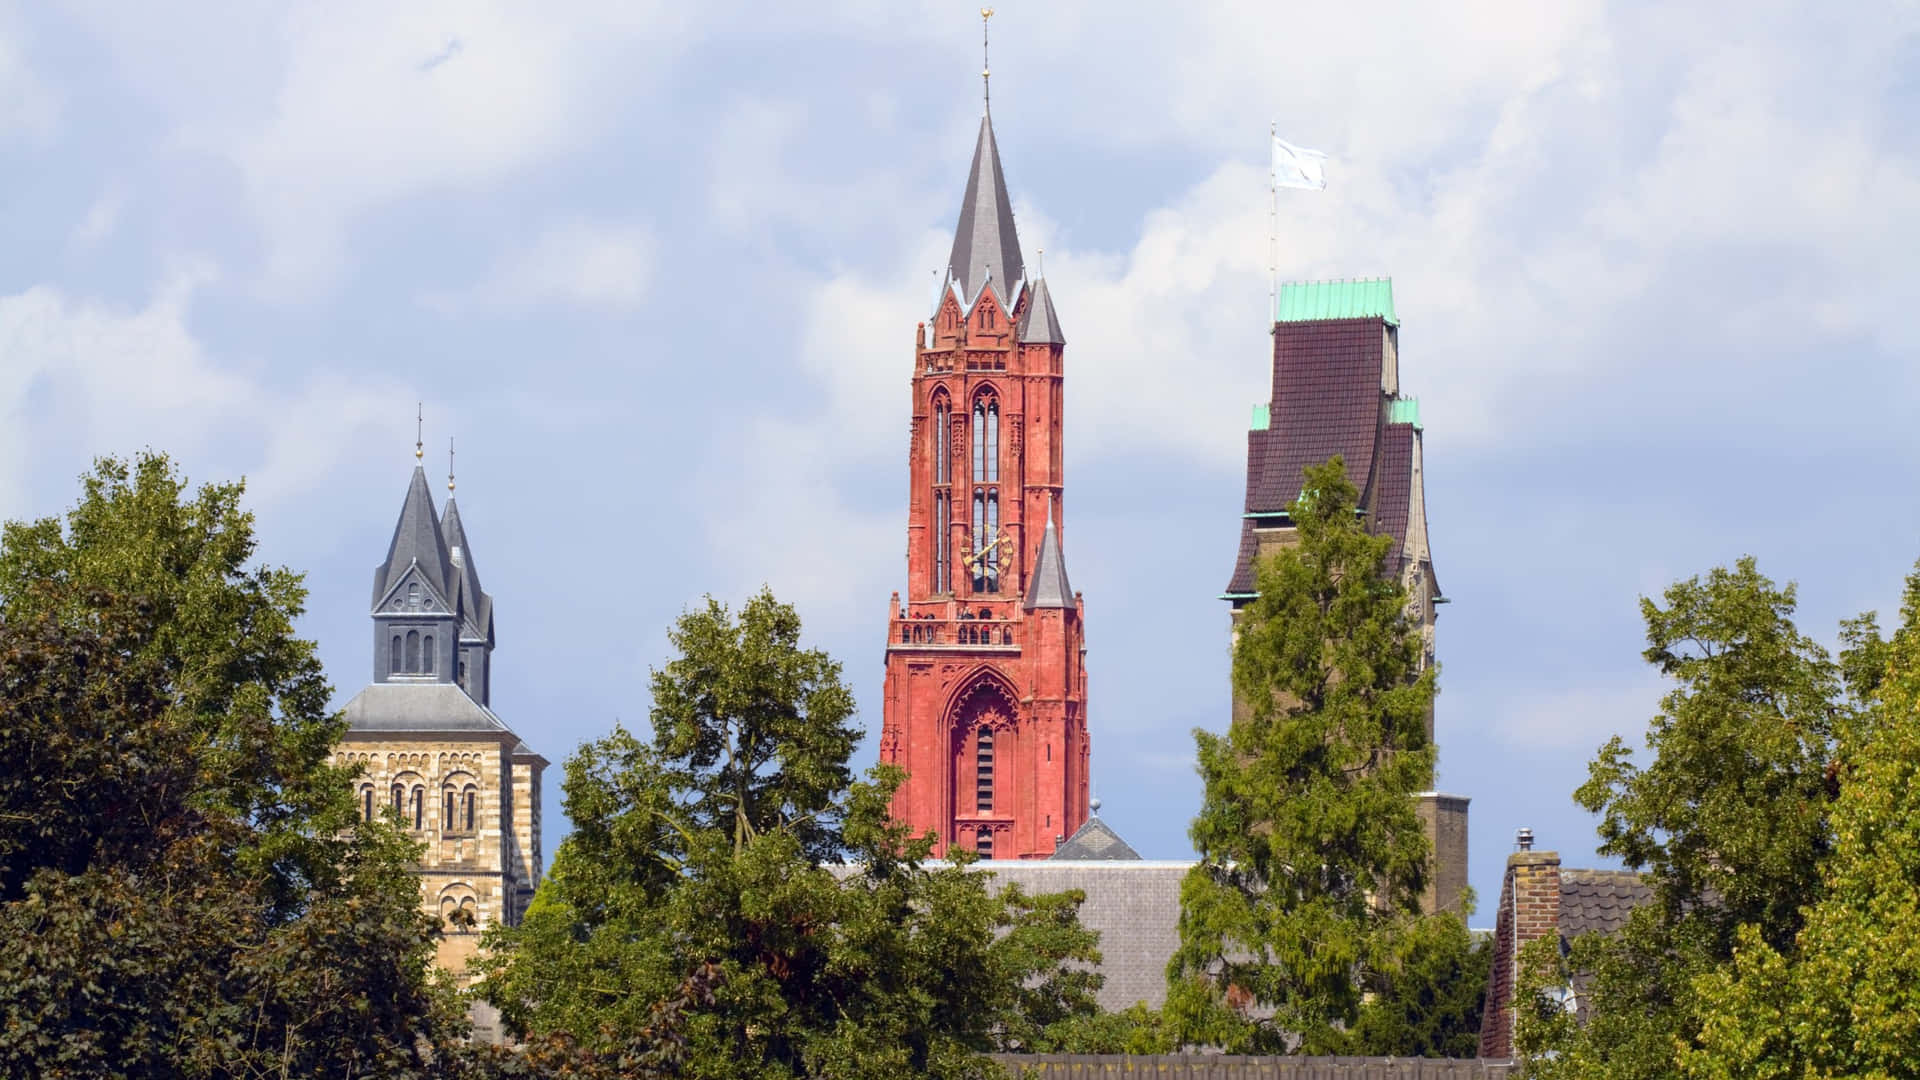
point(983, 729)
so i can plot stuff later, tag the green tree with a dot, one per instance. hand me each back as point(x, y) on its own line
point(737, 837)
point(183, 886)
point(1729, 821)
point(1843, 997)
point(1304, 909)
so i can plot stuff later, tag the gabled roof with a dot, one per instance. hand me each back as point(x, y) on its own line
point(1040, 325)
point(1048, 587)
point(985, 246)
point(469, 598)
point(416, 539)
point(1094, 841)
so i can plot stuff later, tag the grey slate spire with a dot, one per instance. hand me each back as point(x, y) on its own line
point(1040, 326)
point(470, 599)
point(985, 246)
point(1049, 588)
point(416, 539)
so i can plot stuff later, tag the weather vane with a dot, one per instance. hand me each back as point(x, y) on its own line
point(449, 464)
point(986, 69)
point(419, 426)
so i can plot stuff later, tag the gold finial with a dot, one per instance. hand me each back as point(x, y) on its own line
point(986, 69)
point(449, 464)
point(419, 426)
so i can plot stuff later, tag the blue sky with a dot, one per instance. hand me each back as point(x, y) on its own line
point(657, 268)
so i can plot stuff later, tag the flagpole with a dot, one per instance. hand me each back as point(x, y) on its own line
point(1273, 227)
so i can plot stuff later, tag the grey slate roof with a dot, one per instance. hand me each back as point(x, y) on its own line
point(1133, 903)
point(1048, 588)
point(469, 598)
point(416, 538)
point(1040, 325)
point(1094, 841)
point(984, 243)
point(420, 707)
point(1599, 901)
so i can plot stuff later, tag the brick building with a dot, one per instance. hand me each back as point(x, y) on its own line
point(1336, 390)
point(428, 745)
point(985, 697)
point(1539, 898)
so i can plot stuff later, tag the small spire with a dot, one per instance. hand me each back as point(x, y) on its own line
point(419, 427)
point(449, 465)
point(986, 69)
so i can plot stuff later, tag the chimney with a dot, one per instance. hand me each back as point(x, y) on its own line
point(1529, 910)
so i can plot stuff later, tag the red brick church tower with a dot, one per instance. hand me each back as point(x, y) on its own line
point(986, 675)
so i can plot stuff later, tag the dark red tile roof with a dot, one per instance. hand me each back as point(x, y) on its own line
point(1393, 491)
point(1326, 401)
point(1243, 565)
point(1599, 900)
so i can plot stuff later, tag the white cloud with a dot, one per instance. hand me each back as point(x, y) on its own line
point(605, 265)
point(101, 219)
point(98, 379)
point(1580, 717)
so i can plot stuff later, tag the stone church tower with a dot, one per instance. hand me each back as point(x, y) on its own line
point(1336, 390)
point(986, 684)
point(428, 745)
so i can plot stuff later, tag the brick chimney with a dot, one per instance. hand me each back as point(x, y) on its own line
point(1529, 909)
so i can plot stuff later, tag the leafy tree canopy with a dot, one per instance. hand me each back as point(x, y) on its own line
point(183, 886)
point(736, 838)
point(1729, 821)
point(1303, 914)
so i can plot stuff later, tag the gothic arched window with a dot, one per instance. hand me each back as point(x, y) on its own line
point(426, 654)
point(366, 802)
point(396, 798)
point(413, 650)
point(419, 808)
point(397, 661)
point(413, 594)
point(446, 809)
point(470, 797)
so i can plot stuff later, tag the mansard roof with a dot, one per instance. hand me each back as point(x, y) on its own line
point(469, 598)
point(420, 708)
point(416, 541)
point(1048, 587)
point(985, 246)
point(1040, 325)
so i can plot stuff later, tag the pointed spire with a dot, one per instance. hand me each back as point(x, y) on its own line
point(1048, 588)
point(1040, 325)
point(473, 602)
point(416, 539)
point(985, 247)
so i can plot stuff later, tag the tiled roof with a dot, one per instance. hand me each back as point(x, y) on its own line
point(416, 539)
point(1040, 325)
point(1599, 900)
point(1242, 582)
point(985, 247)
point(1135, 905)
point(1094, 840)
point(1236, 1067)
point(419, 707)
point(1326, 400)
point(1393, 490)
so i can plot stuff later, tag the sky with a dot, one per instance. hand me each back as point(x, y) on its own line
point(656, 268)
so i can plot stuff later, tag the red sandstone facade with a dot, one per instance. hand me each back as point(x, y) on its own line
point(985, 704)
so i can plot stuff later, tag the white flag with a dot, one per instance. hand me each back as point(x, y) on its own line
point(1298, 167)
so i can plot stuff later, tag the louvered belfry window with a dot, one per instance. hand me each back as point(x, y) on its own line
point(983, 771)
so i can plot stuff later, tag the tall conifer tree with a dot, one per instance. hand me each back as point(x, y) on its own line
point(1306, 900)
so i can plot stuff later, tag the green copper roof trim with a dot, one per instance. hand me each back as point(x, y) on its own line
point(1239, 596)
point(1310, 301)
point(1405, 411)
point(1262, 416)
